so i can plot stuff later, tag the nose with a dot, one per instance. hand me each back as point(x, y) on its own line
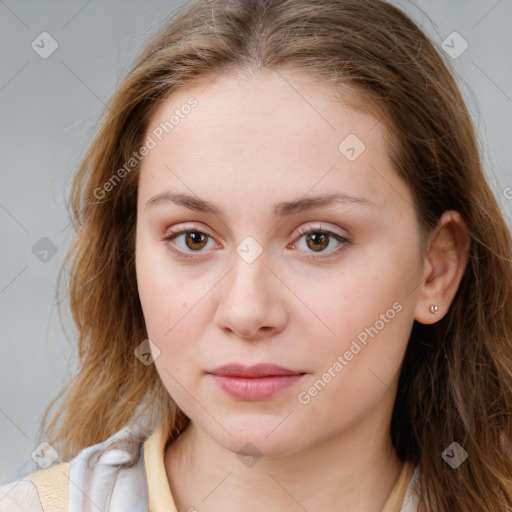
point(251, 305)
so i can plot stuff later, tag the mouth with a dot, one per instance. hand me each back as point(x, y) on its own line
point(256, 382)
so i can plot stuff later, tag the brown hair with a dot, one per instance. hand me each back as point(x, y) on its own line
point(456, 377)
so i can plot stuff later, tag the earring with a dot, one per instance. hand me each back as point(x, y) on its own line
point(433, 309)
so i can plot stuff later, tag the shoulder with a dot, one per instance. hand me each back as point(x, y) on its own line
point(104, 470)
point(32, 492)
point(19, 496)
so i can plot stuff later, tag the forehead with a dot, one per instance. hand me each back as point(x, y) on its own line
point(269, 132)
point(247, 102)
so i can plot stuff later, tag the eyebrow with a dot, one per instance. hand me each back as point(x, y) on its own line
point(280, 210)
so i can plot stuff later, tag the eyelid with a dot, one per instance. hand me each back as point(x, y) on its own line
point(186, 229)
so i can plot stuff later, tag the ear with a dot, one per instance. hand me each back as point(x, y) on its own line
point(444, 265)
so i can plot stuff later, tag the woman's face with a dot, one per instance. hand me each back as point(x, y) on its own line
point(250, 263)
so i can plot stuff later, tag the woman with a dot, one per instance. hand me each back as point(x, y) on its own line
point(290, 278)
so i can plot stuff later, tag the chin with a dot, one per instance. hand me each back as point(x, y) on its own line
point(259, 442)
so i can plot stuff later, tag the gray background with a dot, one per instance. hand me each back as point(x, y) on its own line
point(49, 110)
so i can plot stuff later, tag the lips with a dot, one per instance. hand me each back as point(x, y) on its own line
point(258, 370)
point(257, 382)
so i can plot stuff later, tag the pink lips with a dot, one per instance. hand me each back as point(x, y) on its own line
point(254, 382)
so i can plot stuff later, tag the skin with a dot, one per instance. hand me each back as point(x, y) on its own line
point(254, 141)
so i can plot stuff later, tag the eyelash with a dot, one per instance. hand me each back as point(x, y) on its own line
point(301, 232)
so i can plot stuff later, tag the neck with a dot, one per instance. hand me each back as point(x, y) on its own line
point(355, 470)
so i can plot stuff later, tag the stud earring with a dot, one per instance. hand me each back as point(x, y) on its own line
point(433, 309)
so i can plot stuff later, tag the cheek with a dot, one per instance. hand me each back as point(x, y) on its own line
point(366, 316)
point(347, 303)
point(173, 311)
point(158, 291)
point(167, 314)
point(167, 307)
point(356, 369)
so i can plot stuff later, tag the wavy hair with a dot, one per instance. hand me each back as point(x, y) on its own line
point(456, 378)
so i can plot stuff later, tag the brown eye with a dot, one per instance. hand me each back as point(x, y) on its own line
point(186, 242)
point(195, 240)
point(317, 241)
